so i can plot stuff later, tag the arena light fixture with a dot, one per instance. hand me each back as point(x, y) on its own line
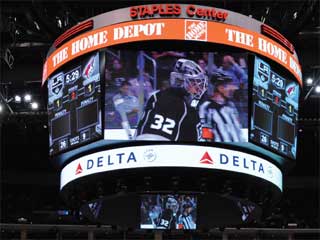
point(34, 105)
point(309, 81)
point(1, 108)
point(17, 99)
point(317, 89)
point(27, 98)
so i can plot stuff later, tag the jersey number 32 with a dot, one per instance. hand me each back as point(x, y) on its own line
point(164, 124)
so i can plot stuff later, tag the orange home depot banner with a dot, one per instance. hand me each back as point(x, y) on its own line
point(171, 29)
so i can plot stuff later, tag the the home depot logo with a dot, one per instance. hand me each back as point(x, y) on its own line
point(196, 30)
point(206, 159)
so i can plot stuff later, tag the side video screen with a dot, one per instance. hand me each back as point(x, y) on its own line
point(165, 211)
point(275, 100)
point(176, 96)
point(74, 105)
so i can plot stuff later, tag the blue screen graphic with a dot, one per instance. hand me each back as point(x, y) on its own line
point(275, 100)
point(74, 105)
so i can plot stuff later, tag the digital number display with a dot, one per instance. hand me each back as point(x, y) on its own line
point(73, 75)
point(74, 105)
point(275, 100)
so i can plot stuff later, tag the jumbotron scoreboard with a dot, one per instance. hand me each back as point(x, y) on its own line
point(143, 97)
point(74, 104)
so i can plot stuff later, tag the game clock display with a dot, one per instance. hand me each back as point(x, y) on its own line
point(74, 105)
point(275, 100)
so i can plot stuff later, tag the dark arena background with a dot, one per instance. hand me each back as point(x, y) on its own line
point(159, 119)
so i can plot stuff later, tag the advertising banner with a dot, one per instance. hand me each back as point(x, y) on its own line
point(171, 156)
point(171, 29)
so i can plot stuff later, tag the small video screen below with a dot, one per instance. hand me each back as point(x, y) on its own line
point(167, 211)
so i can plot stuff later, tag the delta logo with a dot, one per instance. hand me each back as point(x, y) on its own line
point(104, 161)
point(206, 159)
point(234, 161)
point(79, 169)
point(88, 70)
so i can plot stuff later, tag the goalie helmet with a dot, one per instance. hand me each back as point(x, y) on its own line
point(172, 204)
point(190, 76)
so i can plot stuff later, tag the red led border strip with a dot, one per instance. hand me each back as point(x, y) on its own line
point(267, 30)
point(72, 31)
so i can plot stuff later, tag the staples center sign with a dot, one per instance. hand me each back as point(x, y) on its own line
point(171, 156)
point(171, 29)
point(174, 10)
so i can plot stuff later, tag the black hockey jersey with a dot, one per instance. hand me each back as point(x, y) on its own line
point(167, 220)
point(168, 114)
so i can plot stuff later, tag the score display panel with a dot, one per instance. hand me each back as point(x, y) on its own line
point(274, 116)
point(74, 105)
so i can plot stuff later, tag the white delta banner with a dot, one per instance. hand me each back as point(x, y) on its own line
point(171, 156)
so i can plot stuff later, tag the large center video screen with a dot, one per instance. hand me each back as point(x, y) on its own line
point(176, 96)
point(74, 105)
point(275, 100)
point(165, 211)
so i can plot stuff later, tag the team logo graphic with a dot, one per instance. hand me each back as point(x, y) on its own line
point(291, 90)
point(57, 84)
point(206, 159)
point(79, 169)
point(196, 30)
point(89, 69)
point(150, 155)
point(263, 72)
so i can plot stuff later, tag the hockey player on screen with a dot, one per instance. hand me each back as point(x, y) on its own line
point(219, 115)
point(169, 217)
point(171, 114)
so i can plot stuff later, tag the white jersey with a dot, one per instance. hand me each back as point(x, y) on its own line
point(222, 120)
point(186, 222)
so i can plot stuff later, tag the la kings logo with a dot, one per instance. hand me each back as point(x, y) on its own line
point(57, 84)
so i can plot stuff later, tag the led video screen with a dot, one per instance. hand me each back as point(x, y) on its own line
point(74, 104)
point(275, 100)
point(263, 118)
point(60, 126)
point(166, 211)
point(88, 115)
point(176, 96)
point(286, 131)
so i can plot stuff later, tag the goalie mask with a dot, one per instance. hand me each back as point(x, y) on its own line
point(172, 204)
point(190, 76)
